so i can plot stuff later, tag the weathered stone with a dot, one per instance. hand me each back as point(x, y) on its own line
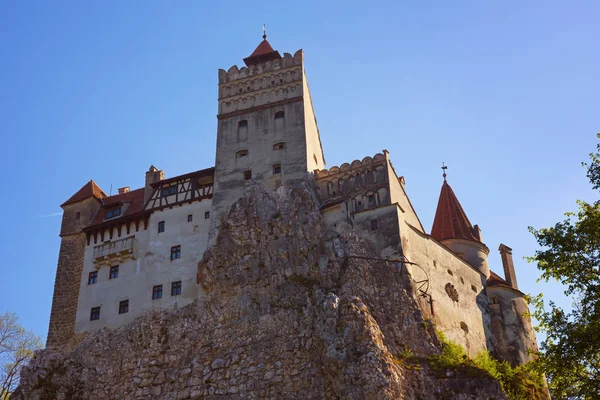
point(332, 332)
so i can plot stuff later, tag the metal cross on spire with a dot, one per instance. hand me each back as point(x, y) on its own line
point(264, 31)
point(444, 168)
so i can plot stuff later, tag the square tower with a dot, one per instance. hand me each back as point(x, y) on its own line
point(267, 132)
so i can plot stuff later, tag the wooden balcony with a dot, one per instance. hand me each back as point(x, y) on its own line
point(115, 252)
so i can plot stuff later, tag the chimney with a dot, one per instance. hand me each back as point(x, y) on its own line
point(152, 175)
point(509, 267)
point(124, 190)
point(477, 232)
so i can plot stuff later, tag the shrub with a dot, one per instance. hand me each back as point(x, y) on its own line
point(522, 382)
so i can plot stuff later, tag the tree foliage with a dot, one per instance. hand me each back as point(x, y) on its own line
point(17, 346)
point(570, 355)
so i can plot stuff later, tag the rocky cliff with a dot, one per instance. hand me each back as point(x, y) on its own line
point(289, 311)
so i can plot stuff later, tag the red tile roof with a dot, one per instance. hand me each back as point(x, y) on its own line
point(496, 280)
point(450, 220)
point(87, 190)
point(263, 53)
point(134, 199)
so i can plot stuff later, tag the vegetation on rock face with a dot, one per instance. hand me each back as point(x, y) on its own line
point(523, 382)
point(16, 349)
point(570, 355)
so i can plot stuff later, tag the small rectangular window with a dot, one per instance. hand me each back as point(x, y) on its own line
point(373, 224)
point(175, 252)
point(161, 226)
point(123, 306)
point(243, 124)
point(95, 313)
point(112, 213)
point(279, 114)
point(247, 175)
point(207, 215)
point(276, 169)
point(77, 214)
point(114, 272)
point(93, 277)
point(157, 292)
point(190, 218)
point(168, 191)
point(176, 288)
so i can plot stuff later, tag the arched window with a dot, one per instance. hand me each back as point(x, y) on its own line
point(279, 115)
point(340, 185)
point(329, 188)
point(241, 153)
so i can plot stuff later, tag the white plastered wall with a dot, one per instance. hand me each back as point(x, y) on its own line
point(153, 266)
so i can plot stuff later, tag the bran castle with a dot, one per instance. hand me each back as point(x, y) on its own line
point(123, 255)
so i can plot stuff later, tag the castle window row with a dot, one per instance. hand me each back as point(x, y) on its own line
point(248, 173)
point(124, 304)
point(190, 218)
point(278, 115)
point(244, 152)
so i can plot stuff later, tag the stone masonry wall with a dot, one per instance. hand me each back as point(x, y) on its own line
point(66, 289)
point(289, 312)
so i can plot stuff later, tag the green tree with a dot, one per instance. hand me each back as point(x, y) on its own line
point(570, 355)
point(17, 346)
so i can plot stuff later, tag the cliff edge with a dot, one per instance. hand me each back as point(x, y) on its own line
point(289, 310)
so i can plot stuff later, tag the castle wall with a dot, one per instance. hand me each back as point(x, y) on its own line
point(456, 288)
point(263, 121)
point(68, 271)
point(151, 267)
point(511, 325)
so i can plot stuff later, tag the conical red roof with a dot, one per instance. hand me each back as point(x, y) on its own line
point(263, 48)
point(450, 220)
point(89, 189)
point(263, 53)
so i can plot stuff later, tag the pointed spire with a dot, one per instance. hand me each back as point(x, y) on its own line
point(263, 52)
point(450, 220)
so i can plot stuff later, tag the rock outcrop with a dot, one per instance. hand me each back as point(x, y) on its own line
point(288, 311)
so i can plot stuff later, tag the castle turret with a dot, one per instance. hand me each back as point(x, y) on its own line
point(452, 228)
point(267, 132)
point(77, 213)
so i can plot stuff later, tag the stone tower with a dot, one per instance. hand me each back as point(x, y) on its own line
point(77, 213)
point(267, 131)
point(453, 229)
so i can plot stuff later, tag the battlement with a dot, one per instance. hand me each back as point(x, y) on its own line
point(234, 73)
point(345, 167)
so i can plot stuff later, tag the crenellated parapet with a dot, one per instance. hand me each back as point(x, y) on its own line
point(272, 82)
point(363, 182)
point(287, 61)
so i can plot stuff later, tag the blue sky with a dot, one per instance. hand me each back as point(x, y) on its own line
point(506, 93)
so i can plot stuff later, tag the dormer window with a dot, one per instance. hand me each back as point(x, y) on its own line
point(243, 123)
point(279, 115)
point(168, 191)
point(241, 153)
point(114, 212)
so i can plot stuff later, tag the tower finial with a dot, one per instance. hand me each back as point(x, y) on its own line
point(444, 168)
point(264, 31)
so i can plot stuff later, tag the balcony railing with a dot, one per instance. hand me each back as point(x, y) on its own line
point(115, 252)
